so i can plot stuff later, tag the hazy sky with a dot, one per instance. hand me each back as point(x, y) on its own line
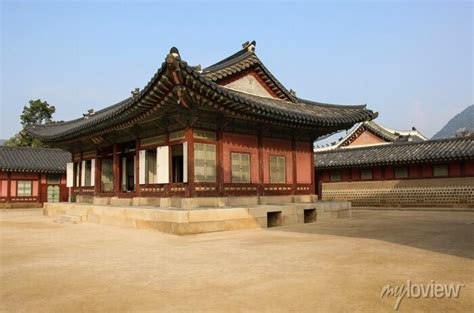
point(412, 61)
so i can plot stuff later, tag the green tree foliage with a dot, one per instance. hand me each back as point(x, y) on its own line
point(36, 113)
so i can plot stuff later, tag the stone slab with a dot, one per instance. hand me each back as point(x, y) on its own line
point(101, 200)
point(217, 214)
point(146, 201)
point(115, 201)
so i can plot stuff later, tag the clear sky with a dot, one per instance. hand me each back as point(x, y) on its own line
point(412, 61)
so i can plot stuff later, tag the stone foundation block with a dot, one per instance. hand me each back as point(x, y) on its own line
point(290, 220)
point(93, 218)
point(275, 199)
point(262, 222)
point(305, 198)
point(101, 201)
point(345, 214)
point(262, 210)
point(118, 221)
point(241, 224)
point(242, 201)
point(115, 201)
point(199, 227)
point(84, 199)
point(217, 215)
point(146, 201)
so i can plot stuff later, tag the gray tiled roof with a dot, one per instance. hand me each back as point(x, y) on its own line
point(243, 60)
point(397, 153)
point(34, 160)
point(292, 112)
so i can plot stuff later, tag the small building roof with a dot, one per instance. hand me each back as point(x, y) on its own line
point(178, 83)
point(33, 160)
point(399, 153)
point(388, 134)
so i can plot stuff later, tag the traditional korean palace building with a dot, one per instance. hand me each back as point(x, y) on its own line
point(31, 176)
point(231, 129)
point(425, 173)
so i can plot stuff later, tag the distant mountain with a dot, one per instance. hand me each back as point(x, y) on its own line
point(465, 119)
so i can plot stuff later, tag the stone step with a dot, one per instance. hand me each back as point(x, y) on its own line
point(70, 218)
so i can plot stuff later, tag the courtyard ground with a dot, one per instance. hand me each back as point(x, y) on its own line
point(335, 266)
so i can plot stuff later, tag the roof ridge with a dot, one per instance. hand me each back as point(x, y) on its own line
point(400, 131)
point(396, 143)
point(350, 106)
point(243, 52)
point(33, 148)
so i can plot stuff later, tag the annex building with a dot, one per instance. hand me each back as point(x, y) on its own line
point(31, 176)
point(227, 134)
point(434, 173)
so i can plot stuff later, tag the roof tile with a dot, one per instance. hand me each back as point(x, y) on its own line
point(397, 153)
point(35, 160)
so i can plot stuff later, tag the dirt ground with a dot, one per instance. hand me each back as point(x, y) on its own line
point(336, 266)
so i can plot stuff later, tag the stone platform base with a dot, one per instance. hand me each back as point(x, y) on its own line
point(21, 205)
point(195, 202)
point(203, 219)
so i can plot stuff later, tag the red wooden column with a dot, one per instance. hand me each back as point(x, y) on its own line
point(293, 157)
point(260, 164)
point(313, 182)
point(9, 184)
point(137, 167)
point(40, 196)
point(188, 137)
point(116, 169)
point(220, 162)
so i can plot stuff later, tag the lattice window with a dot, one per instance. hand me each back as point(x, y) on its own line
point(87, 175)
point(204, 162)
point(107, 176)
point(366, 174)
point(240, 163)
point(24, 188)
point(335, 175)
point(401, 172)
point(440, 170)
point(151, 167)
point(277, 169)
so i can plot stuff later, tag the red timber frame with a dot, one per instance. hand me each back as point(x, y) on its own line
point(415, 171)
point(192, 188)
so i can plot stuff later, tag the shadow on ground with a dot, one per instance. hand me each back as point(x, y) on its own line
point(443, 232)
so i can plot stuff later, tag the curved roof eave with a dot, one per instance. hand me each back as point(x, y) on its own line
point(304, 112)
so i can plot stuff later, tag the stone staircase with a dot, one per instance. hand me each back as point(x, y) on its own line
point(72, 216)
